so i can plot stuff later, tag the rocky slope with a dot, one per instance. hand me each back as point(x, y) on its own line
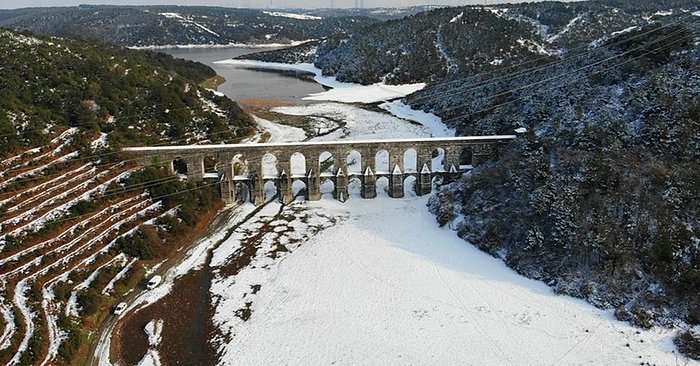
point(177, 25)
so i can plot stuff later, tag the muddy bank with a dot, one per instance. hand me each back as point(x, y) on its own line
point(187, 325)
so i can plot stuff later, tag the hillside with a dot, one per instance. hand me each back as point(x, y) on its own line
point(433, 45)
point(139, 26)
point(136, 97)
point(599, 199)
point(80, 225)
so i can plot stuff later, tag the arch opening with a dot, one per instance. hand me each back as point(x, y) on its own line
point(327, 187)
point(354, 161)
point(299, 189)
point(409, 186)
point(326, 162)
point(354, 187)
point(179, 166)
point(269, 166)
point(240, 165)
point(381, 162)
point(382, 187)
point(242, 192)
point(298, 165)
point(410, 161)
point(269, 190)
point(209, 164)
point(437, 160)
point(465, 157)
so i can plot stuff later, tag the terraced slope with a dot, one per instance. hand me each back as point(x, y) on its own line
point(80, 224)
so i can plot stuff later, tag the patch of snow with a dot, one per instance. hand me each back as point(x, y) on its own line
point(279, 132)
point(172, 15)
point(521, 130)
point(152, 358)
point(292, 15)
point(429, 120)
point(153, 329)
point(366, 93)
point(9, 330)
point(566, 29)
point(664, 13)
point(100, 142)
point(457, 17)
point(20, 300)
point(360, 124)
point(626, 30)
point(535, 47)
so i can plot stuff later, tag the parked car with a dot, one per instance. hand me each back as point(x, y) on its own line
point(119, 309)
point(153, 282)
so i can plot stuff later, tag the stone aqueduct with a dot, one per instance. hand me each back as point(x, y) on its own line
point(240, 174)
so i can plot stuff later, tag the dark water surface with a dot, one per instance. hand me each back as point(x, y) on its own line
point(246, 83)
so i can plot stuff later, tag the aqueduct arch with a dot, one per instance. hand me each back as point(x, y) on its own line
point(244, 169)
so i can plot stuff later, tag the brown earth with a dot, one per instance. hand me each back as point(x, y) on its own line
point(256, 104)
point(187, 314)
point(187, 325)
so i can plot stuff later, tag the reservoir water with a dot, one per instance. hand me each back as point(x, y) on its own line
point(242, 83)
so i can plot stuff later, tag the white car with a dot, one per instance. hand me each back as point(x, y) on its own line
point(119, 309)
point(153, 282)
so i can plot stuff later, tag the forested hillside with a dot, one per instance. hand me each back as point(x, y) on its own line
point(177, 25)
point(432, 45)
point(135, 97)
point(600, 197)
point(79, 223)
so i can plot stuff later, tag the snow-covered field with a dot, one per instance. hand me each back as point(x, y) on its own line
point(386, 286)
point(378, 282)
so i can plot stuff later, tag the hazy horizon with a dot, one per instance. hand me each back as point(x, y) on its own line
point(279, 4)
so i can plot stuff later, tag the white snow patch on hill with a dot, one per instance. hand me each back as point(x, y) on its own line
point(292, 15)
point(366, 93)
point(387, 286)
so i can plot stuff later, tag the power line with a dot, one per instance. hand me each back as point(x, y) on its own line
point(567, 72)
point(555, 86)
point(538, 68)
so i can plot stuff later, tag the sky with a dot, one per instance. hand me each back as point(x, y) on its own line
point(13, 4)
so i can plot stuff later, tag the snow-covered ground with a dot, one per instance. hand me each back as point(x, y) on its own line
point(385, 285)
point(360, 124)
